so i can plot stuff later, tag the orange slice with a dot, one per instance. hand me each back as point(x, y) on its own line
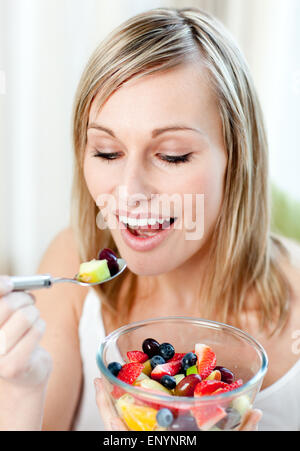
point(137, 418)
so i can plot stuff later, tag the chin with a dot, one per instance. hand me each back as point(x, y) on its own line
point(152, 263)
point(144, 272)
point(143, 266)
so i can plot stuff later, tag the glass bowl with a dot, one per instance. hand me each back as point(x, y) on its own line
point(138, 407)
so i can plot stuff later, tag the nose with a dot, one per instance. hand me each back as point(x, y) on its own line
point(135, 189)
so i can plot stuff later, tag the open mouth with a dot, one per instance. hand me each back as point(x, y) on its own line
point(147, 228)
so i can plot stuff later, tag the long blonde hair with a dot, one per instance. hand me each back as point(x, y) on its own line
point(243, 254)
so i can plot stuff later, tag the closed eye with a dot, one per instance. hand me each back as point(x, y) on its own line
point(172, 159)
point(169, 159)
point(107, 156)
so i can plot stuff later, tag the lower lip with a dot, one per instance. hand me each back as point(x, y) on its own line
point(143, 244)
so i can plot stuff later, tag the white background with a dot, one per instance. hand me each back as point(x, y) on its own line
point(44, 45)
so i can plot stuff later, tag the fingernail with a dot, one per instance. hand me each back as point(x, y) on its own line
point(6, 285)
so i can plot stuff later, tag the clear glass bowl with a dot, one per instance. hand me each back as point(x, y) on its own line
point(234, 349)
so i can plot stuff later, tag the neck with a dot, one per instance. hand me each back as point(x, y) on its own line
point(182, 285)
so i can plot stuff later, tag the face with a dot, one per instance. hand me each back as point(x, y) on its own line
point(155, 140)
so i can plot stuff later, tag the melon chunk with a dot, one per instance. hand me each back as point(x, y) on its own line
point(93, 271)
point(150, 384)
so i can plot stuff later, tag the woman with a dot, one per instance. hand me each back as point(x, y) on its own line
point(166, 105)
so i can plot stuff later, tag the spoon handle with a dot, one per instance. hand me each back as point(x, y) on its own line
point(22, 283)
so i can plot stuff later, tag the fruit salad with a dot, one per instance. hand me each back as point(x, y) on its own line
point(100, 269)
point(158, 369)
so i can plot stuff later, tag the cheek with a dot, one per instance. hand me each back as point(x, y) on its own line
point(212, 188)
point(97, 181)
point(207, 181)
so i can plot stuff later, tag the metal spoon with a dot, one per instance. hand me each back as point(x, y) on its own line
point(22, 283)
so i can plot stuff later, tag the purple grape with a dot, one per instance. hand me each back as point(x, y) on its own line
point(184, 423)
point(186, 386)
point(150, 347)
point(112, 260)
point(226, 375)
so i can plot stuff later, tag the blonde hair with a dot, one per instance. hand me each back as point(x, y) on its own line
point(243, 253)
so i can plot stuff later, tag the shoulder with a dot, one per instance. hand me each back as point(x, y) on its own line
point(61, 259)
point(63, 244)
point(289, 264)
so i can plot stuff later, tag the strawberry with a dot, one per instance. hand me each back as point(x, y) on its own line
point(207, 416)
point(130, 372)
point(229, 387)
point(206, 360)
point(117, 392)
point(137, 356)
point(169, 368)
point(206, 388)
point(177, 356)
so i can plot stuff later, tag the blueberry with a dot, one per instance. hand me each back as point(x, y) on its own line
point(150, 347)
point(157, 360)
point(164, 417)
point(168, 382)
point(114, 368)
point(166, 350)
point(190, 359)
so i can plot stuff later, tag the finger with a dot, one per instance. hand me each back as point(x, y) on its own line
point(11, 302)
point(251, 420)
point(16, 326)
point(6, 285)
point(38, 368)
point(107, 412)
point(118, 425)
point(19, 358)
point(104, 405)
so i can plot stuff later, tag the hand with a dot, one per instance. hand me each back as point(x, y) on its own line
point(251, 420)
point(108, 415)
point(22, 362)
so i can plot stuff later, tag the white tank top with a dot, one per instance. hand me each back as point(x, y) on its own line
point(280, 402)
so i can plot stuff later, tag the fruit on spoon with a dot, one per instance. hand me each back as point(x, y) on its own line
point(112, 260)
point(93, 271)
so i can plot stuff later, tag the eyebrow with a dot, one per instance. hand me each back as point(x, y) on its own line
point(155, 133)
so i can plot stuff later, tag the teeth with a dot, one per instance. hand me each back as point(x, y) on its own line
point(142, 222)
